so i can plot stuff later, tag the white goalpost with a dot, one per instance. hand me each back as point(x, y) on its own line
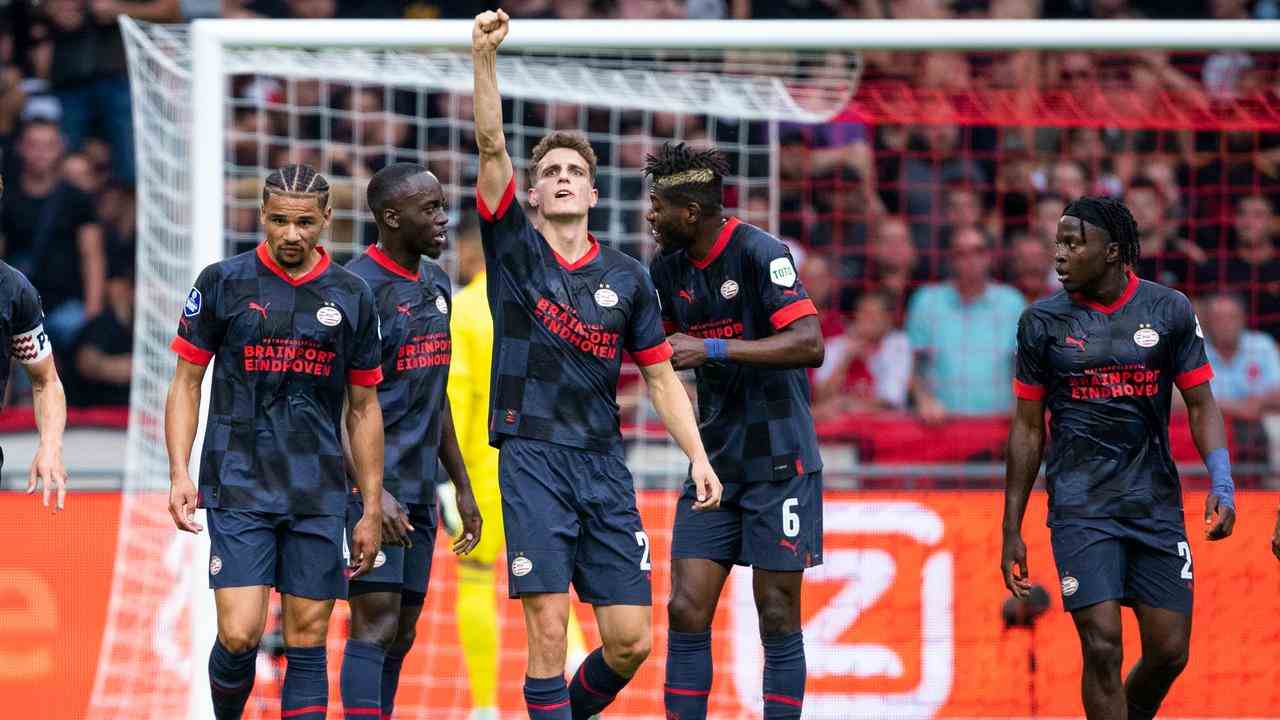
point(216, 103)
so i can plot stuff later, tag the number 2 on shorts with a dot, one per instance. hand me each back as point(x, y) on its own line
point(643, 539)
point(1184, 550)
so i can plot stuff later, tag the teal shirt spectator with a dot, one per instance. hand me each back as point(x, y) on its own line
point(970, 345)
point(1253, 370)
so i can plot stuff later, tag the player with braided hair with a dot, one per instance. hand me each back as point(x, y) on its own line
point(1103, 355)
point(742, 320)
point(293, 336)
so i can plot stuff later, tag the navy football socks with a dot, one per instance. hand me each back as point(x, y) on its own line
point(361, 679)
point(230, 680)
point(547, 698)
point(688, 675)
point(784, 676)
point(306, 684)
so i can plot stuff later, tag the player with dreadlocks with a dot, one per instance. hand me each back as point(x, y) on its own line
point(1103, 356)
point(291, 335)
point(743, 322)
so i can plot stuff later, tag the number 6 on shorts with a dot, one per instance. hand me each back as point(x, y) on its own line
point(790, 520)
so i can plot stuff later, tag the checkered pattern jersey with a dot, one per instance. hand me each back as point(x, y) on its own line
point(414, 309)
point(755, 421)
point(284, 351)
point(560, 332)
point(21, 323)
point(1106, 373)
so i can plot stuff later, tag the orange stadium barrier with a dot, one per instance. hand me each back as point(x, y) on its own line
point(903, 619)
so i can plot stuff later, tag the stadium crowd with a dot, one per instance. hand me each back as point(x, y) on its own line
point(922, 241)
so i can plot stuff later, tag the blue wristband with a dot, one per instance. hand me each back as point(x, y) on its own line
point(1219, 464)
point(716, 348)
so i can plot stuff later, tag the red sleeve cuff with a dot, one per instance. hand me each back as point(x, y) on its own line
point(190, 352)
point(508, 196)
point(367, 378)
point(1027, 391)
point(669, 327)
point(1192, 378)
point(654, 355)
point(792, 313)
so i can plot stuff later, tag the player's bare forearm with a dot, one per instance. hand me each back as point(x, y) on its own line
point(798, 345)
point(495, 164)
point(450, 452)
point(50, 402)
point(181, 415)
point(672, 403)
point(1026, 449)
point(1205, 419)
point(364, 430)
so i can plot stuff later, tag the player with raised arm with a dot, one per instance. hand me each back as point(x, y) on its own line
point(291, 334)
point(1103, 356)
point(743, 322)
point(564, 311)
point(413, 303)
point(24, 340)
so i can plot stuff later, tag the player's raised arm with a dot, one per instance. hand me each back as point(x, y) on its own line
point(495, 164)
point(181, 415)
point(672, 403)
point(364, 428)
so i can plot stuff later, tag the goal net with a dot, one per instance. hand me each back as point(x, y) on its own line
point(861, 160)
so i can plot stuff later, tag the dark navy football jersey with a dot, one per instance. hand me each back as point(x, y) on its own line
point(414, 308)
point(560, 330)
point(1106, 374)
point(284, 351)
point(755, 421)
point(21, 323)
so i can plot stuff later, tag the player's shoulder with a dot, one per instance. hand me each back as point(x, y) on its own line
point(242, 265)
point(756, 241)
point(1162, 299)
point(615, 260)
point(12, 279)
point(1052, 306)
point(345, 280)
point(433, 275)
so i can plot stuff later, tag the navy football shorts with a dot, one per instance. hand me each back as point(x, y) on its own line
point(570, 516)
point(297, 554)
point(396, 568)
point(1134, 560)
point(767, 525)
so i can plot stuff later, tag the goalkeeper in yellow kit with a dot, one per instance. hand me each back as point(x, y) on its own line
point(471, 328)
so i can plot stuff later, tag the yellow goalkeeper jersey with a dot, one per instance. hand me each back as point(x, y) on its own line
point(471, 328)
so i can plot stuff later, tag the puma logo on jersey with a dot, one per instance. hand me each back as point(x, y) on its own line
point(1076, 342)
point(402, 309)
point(795, 550)
point(685, 295)
point(260, 308)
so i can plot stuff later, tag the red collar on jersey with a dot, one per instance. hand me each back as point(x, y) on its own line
point(587, 257)
point(264, 256)
point(722, 241)
point(386, 263)
point(1120, 302)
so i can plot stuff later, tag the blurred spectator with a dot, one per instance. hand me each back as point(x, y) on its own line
point(103, 351)
point(894, 265)
point(1031, 268)
point(1048, 211)
point(1252, 269)
point(1165, 256)
point(940, 162)
point(1068, 179)
point(962, 332)
point(88, 72)
point(868, 368)
point(1246, 363)
point(819, 280)
point(51, 233)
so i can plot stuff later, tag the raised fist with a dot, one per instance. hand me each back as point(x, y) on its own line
point(490, 30)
